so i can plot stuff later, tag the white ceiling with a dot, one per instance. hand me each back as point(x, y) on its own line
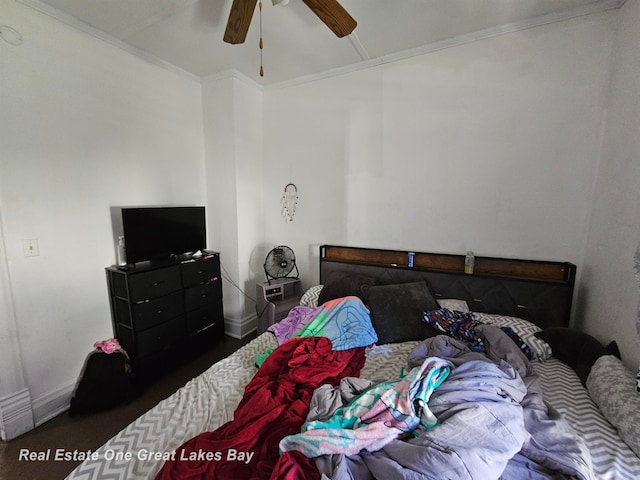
point(188, 33)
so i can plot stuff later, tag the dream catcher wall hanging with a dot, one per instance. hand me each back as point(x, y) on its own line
point(289, 201)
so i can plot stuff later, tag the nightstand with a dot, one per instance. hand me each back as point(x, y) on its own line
point(274, 300)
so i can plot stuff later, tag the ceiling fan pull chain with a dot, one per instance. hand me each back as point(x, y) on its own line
point(261, 44)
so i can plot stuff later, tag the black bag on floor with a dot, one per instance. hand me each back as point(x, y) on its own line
point(105, 382)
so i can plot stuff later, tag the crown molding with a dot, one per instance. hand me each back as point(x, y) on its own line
point(596, 7)
point(233, 74)
point(592, 8)
point(100, 35)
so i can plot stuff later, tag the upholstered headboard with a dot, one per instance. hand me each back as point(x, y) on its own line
point(538, 291)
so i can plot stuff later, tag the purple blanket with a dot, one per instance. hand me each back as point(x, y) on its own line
point(494, 424)
point(297, 318)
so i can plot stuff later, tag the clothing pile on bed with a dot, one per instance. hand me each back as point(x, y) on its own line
point(459, 412)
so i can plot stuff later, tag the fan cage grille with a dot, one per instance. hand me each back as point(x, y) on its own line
point(280, 263)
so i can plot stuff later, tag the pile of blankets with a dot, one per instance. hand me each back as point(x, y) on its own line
point(274, 405)
point(458, 413)
point(371, 420)
point(492, 423)
point(325, 346)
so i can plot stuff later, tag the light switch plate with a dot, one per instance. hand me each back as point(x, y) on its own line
point(30, 247)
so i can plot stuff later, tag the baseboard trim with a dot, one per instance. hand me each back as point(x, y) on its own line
point(52, 404)
point(240, 328)
point(16, 415)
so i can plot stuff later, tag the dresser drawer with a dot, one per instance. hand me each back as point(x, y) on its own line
point(203, 295)
point(152, 312)
point(200, 271)
point(203, 318)
point(154, 283)
point(161, 337)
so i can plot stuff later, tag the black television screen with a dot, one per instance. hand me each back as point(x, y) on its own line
point(153, 233)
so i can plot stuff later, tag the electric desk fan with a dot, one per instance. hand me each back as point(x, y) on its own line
point(280, 263)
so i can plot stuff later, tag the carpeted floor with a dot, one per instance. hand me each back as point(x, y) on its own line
point(88, 432)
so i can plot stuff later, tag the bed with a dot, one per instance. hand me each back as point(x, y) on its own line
point(569, 382)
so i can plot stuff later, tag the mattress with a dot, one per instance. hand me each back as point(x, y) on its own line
point(209, 400)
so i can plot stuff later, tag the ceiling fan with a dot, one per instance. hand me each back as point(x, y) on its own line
point(332, 14)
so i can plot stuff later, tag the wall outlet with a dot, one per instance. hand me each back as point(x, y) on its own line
point(30, 247)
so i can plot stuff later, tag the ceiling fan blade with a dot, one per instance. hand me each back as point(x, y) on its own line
point(333, 15)
point(239, 21)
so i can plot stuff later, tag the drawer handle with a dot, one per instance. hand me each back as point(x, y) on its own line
point(155, 284)
point(161, 311)
point(204, 295)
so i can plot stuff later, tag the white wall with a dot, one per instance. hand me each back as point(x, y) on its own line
point(491, 146)
point(84, 126)
point(609, 290)
point(232, 108)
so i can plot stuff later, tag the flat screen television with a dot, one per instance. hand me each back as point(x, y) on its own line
point(156, 233)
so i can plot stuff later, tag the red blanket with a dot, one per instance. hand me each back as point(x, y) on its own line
point(275, 404)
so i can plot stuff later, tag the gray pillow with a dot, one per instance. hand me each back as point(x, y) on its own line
point(612, 386)
point(341, 284)
point(397, 310)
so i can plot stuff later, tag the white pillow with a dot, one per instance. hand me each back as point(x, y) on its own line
point(525, 330)
point(612, 386)
point(453, 304)
point(310, 297)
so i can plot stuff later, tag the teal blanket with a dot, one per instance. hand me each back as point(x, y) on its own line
point(345, 321)
point(386, 411)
